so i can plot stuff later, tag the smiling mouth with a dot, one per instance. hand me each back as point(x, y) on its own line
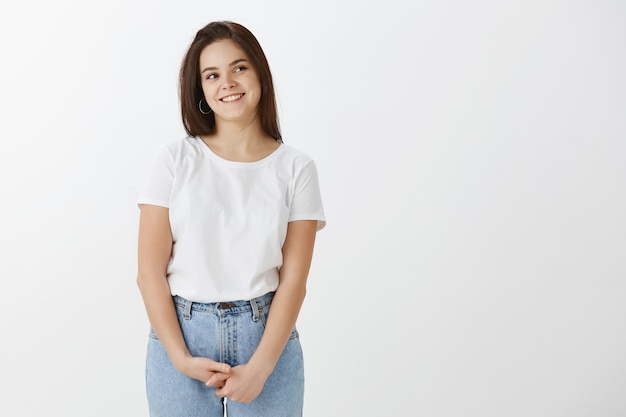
point(231, 98)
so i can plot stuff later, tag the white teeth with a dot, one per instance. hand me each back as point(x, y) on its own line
point(232, 98)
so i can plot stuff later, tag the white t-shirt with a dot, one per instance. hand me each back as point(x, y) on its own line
point(229, 219)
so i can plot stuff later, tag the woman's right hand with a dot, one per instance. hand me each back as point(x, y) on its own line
point(201, 369)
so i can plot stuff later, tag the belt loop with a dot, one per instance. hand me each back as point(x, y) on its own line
point(255, 310)
point(187, 309)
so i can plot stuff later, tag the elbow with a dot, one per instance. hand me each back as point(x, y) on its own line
point(296, 289)
point(300, 293)
point(141, 281)
point(147, 281)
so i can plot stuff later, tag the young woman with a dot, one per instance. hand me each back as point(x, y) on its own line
point(227, 228)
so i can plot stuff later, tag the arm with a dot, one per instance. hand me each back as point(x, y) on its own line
point(246, 381)
point(155, 247)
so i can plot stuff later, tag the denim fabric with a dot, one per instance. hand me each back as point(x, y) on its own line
point(229, 333)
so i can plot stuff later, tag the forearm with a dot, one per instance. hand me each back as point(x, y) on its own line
point(154, 251)
point(289, 296)
point(281, 320)
point(162, 315)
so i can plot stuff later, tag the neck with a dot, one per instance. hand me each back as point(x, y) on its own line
point(236, 134)
point(238, 142)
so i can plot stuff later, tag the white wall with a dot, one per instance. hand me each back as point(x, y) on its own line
point(472, 158)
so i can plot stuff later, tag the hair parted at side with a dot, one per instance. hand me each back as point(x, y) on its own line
point(190, 91)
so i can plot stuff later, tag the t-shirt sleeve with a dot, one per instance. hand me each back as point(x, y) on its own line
point(307, 200)
point(159, 178)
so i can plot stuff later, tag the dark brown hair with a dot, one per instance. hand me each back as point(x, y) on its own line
point(191, 93)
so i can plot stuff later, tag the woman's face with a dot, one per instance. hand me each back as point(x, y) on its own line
point(230, 84)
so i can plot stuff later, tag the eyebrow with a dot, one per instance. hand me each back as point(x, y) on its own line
point(235, 62)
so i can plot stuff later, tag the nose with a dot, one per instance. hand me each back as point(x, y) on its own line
point(228, 82)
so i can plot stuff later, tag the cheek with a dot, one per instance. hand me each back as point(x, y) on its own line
point(208, 91)
point(258, 91)
point(256, 98)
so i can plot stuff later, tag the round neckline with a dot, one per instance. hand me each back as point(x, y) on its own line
point(238, 164)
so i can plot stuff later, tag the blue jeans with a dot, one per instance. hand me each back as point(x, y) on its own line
point(229, 333)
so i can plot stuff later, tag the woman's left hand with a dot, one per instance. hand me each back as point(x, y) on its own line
point(243, 384)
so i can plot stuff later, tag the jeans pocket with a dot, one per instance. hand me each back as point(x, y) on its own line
point(294, 333)
point(152, 334)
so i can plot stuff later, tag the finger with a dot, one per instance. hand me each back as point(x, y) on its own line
point(217, 379)
point(221, 368)
point(218, 366)
point(221, 392)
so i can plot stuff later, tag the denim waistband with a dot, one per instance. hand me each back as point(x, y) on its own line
point(238, 306)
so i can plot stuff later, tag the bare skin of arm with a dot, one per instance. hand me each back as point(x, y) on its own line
point(154, 250)
point(245, 382)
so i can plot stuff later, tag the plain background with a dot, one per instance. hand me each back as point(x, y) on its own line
point(472, 158)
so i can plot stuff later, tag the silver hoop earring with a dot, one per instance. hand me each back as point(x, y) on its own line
point(200, 107)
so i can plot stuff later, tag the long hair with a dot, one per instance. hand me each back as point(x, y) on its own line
point(190, 88)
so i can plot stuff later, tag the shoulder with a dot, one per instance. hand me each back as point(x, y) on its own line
point(178, 149)
point(293, 156)
point(183, 145)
